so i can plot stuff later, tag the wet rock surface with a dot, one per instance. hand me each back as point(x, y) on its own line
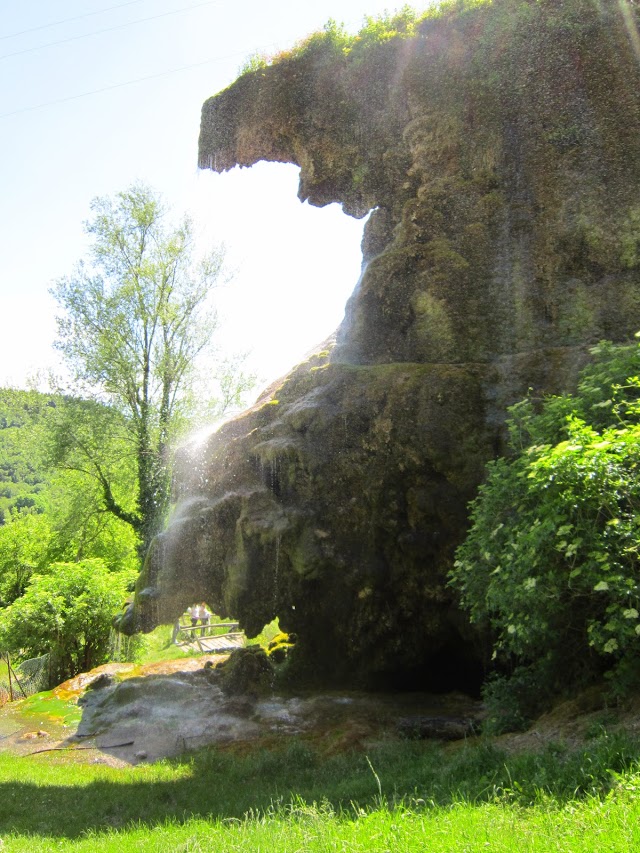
point(499, 150)
point(148, 717)
point(168, 715)
point(231, 701)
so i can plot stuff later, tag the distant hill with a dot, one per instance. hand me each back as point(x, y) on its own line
point(22, 472)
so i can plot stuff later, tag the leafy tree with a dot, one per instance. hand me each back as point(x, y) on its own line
point(551, 563)
point(82, 528)
point(137, 317)
point(23, 417)
point(90, 445)
point(57, 515)
point(24, 546)
point(65, 612)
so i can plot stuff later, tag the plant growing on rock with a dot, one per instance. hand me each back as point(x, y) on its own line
point(550, 564)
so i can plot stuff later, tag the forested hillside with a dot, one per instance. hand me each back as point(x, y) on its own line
point(65, 562)
point(50, 507)
point(22, 470)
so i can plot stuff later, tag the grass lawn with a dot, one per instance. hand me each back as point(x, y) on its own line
point(296, 796)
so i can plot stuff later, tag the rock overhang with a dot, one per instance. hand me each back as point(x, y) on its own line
point(503, 178)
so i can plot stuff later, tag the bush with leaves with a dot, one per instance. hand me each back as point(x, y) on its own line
point(24, 544)
point(67, 612)
point(550, 565)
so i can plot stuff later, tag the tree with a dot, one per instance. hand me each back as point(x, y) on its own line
point(136, 319)
point(551, 562)
point(24, 416)
point(90, 444)
point(24, 545)
point(65, 612)
point(53, 515)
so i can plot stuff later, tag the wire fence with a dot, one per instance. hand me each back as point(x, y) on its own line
point(24, 679)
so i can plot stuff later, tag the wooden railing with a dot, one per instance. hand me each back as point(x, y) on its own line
point(207, 637)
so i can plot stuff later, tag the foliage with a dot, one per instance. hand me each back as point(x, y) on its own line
point(137, 319)
point(66, 611)
point(336, 41)
point(81, 527)
point(399, 24)
point(550, 564)
point(254, 62)
point(59, 515)
point(23, 415)
point(24, 548)
point(93, 494)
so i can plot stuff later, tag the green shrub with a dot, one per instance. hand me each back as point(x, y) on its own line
point(66, 612)
point(334, 40)
point(550, 564)
point(256, 61)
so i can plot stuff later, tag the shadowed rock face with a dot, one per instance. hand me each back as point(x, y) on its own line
point(499, 150)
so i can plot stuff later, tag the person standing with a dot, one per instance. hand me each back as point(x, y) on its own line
point(204, 615)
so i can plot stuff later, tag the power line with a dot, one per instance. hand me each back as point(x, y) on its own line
point(181, 68)
point(108, 29)
point(118, 85)
point(68, 20)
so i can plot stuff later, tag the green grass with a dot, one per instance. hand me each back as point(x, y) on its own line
point(47, 705)
point(157, 646)
point(402, 796)
point(303, 828)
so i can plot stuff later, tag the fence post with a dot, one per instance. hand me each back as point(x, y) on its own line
point(15, 677)
point(5, 657)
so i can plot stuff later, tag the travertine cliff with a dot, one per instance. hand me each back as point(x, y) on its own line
point(499, 149)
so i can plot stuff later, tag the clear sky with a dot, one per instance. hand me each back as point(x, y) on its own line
point(97, 94)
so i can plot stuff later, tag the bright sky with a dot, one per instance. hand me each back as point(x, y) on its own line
point(97, 94)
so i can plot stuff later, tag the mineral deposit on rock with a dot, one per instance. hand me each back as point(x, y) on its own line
point(499, 150)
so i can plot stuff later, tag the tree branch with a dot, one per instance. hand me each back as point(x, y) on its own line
point(114, 507)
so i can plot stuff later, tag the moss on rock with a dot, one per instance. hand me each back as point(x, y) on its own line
point(500, 148)
point(246, 672)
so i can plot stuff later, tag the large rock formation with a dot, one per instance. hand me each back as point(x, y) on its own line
point(499, 149)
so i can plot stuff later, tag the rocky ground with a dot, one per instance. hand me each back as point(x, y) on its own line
point(122, 714)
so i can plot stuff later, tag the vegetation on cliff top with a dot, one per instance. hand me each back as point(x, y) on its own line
point(401, 23)
point(334, 36)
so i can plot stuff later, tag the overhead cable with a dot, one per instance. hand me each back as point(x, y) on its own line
point(118, 85)
point(68, 20)
point(108, 29)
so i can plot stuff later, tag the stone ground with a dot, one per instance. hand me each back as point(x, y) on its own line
point(123, 714)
